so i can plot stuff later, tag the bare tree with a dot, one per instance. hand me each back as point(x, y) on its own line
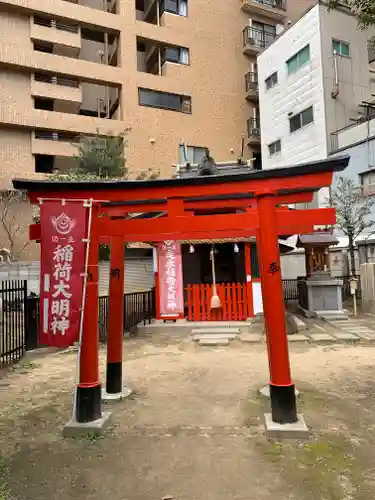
point(13, 224)
point(352, 212)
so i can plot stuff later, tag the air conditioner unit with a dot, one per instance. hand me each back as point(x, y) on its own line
point(255, 131)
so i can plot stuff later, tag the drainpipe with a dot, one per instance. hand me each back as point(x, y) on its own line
point(158, 12)
point(336, 89)
point(159, 61)
point(106, 88)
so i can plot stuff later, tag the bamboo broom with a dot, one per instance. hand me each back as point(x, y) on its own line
point(215, 299)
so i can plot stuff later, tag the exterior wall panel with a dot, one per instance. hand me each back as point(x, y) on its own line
point(292, 94)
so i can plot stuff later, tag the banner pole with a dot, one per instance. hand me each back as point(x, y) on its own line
point(89, 223)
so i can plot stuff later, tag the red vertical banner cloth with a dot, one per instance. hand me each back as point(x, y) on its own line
point(63, 231)
point(170, 279)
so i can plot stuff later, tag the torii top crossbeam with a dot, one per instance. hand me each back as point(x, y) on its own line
point(184, 202)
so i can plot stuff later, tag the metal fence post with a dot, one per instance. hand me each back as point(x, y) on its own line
point(32, 323)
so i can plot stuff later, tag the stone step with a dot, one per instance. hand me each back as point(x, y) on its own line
point(213, 342)
point(228, 336)
point(215, 330)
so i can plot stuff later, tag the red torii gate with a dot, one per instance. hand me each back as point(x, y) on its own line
point(257, 194)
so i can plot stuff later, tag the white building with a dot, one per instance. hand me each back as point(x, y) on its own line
point(358, 141)
point(312, 81)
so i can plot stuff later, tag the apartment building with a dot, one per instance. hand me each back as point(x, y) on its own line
point(314, 79)
point(174, 71)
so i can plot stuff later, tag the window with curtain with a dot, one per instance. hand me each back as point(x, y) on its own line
point(298, 60)
point(178, 7)
point(264, 34)
point(178, 55)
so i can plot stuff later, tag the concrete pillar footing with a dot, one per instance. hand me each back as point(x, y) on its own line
point(297, 430)
point(125, 393)
point(94, 428)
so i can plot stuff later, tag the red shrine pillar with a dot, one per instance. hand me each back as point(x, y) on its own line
point(115, 317)
point(283, 400)
point(89, 398)
point(261, 273)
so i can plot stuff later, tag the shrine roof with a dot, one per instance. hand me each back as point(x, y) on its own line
point(336, 164)
point(317, 238)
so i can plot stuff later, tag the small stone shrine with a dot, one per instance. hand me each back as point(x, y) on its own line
point(319, 293)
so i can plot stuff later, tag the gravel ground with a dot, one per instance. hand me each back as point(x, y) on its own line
point(193, 428)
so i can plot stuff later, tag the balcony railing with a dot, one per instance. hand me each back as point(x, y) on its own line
point(51, 23)
point(56, 80)
point(46, 135)
point(251, 81)
point(275, 4)
point(253, 128)
point(257, 38)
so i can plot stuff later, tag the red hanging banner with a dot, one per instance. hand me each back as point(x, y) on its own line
point(170, 280)
point(63, 229)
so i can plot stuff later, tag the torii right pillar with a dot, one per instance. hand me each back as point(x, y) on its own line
point(282, 391)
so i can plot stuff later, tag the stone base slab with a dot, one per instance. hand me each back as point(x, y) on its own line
point(94, 428)
point(298, 430)
point(126, 392)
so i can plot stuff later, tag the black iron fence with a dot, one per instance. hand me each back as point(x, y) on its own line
point(20, 318)
point(139, 307)
point(13, 309)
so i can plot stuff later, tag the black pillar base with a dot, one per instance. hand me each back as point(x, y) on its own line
point(114, 378)
point(89, 403)
point(283, 404)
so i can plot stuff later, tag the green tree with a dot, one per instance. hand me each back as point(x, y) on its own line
point(363, 9)
point(98, 157)
point(101, 158)
point(352, 212)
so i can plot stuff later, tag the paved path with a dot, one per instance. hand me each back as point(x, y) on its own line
point(361, 329)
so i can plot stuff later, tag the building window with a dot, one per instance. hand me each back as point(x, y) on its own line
point(178, 55)
point(164, 100)
point(44, 164)
point(271, 81)
point(43, 103)
point(191, 154)
point(178, 7)
point(300, 59)
point(262, 34)
point(301, 119)
point(43, 47)
point(274, 148)
point(340, 48)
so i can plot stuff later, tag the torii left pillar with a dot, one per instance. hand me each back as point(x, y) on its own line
point(88, 415)
point(114, 388)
